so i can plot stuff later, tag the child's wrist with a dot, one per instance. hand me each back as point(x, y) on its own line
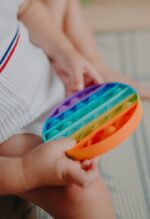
point(29, 178)
point(64, 49)
point(20, 184)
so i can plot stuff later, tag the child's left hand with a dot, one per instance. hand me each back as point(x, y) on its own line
point(75, 71)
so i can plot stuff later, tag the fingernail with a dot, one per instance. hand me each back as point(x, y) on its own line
point(87, 165)
point(87, 162)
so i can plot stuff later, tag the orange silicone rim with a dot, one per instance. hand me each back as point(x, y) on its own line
point(94, 150)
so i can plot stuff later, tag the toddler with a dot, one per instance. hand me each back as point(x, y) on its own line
point(34, 33)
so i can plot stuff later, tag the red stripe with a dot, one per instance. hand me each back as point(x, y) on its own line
point(9, 56)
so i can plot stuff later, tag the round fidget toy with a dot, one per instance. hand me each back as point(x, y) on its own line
point(99, 118)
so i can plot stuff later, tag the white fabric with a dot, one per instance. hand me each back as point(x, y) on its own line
point(55, 92)
point(28, 87)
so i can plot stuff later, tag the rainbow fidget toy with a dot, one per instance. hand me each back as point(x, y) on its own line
point(99, 118)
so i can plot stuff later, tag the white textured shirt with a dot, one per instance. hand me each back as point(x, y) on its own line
point(28, 88)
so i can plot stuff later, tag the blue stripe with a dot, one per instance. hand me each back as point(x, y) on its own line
point(10, 46)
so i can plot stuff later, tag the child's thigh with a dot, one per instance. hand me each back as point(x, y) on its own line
point(19, 144)
point(74, 202)
point(92, 202)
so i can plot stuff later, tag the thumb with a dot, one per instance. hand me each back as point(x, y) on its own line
point(63, 144)
point(95, 75)
point(78, 79)
point(75, 174)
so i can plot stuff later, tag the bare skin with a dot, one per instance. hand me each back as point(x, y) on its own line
point(62, 202)
point(69, 19)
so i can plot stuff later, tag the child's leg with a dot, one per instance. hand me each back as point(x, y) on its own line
point(74, 202)
point(63, 202)
point(19, 145)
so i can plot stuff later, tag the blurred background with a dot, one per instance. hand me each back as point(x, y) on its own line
point(118, 14)
point(122, 34)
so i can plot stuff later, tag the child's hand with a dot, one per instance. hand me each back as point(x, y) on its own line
point(75, 71)
point(48, 165)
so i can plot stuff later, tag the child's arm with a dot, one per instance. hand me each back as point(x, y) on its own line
point(42, 29)
point(11, 176)
point(70, 65)
point(45, 165)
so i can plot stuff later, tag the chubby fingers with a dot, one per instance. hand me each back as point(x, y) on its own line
point(95, 75)
point(75, 173)
point(78, 79)
point(61, 145)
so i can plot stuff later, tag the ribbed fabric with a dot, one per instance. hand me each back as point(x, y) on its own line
point(14, 113)
point(27, 87)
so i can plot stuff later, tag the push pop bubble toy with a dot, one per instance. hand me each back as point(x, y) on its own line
point(99, 118)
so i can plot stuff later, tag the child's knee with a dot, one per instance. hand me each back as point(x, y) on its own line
point(80, 195)
point(91, 202)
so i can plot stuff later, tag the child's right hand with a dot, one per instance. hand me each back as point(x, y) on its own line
point(47, 165)
point(75, 70)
